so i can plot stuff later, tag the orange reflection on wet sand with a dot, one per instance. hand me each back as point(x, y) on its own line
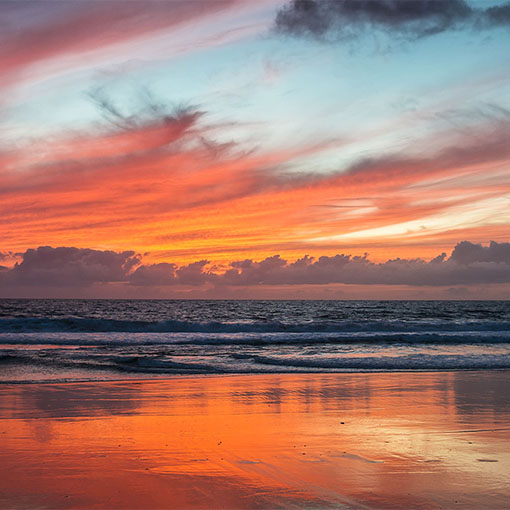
point(401, 440)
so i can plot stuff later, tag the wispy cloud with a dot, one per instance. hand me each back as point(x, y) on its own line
point(157, 175)
point(39, 39)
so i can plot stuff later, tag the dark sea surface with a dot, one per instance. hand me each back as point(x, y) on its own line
point(50, 340)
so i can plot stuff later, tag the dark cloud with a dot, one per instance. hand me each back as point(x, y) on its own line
point(46, 266)
point(154, 274)
point(412, 19)
point(468, 264)
point(194, 274)
point(170, 274)
point(466, 253)
point(146, 112)
point(497, 15)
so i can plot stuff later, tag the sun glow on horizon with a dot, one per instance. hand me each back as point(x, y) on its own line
point(228, 131)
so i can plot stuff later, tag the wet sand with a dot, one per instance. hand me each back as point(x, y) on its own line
point(386, 440)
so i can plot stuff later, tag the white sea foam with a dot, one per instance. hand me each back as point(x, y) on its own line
point(63, 338)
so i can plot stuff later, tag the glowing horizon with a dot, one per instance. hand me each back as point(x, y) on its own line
point(231, 130)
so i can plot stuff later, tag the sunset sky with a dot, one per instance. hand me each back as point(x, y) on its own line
point(241, 148)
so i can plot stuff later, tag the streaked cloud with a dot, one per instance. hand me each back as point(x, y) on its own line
point(40, 39)
point(159, 172)
point(34, 31)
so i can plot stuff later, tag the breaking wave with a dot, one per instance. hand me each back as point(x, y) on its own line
point(91, 325)
point(48, 340)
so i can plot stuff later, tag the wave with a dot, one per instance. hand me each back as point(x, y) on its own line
point(91, 325)
point(263, 364)
point(406, 362)
point(253, 363)
point(253, 339)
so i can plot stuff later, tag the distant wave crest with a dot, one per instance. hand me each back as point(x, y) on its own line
point(91, 325)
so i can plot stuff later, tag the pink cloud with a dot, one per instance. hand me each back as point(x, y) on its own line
point(35, 34)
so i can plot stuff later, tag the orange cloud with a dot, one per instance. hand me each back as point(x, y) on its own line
point(161, 185)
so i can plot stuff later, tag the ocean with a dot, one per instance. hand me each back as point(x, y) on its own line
point(85, 340)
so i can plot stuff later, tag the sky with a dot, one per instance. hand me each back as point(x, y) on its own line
point(329, 149)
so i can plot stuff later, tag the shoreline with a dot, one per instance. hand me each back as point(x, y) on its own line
point(165, 377)
point(394, 440)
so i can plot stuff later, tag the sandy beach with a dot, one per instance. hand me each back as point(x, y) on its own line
point(384, 440)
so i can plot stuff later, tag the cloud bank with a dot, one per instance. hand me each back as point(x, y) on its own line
point(415, 19)
point(468, 264)
point(54, 267)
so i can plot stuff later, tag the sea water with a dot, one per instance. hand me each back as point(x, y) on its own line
point(57, 340)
